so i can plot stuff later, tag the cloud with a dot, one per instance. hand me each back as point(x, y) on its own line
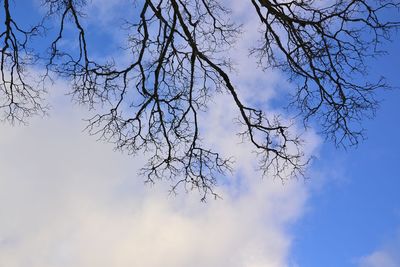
point(67, 200)
point(387, 256)
point(378, 259)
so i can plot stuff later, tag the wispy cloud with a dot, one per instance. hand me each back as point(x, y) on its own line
point(67, 200)
point(387, 256)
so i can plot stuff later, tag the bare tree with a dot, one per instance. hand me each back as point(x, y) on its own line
point(178, 62)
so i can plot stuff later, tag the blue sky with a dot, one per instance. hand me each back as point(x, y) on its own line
point(358, 209)
point(67, 200)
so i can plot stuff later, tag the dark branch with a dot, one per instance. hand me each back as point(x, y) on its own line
point(178, 62)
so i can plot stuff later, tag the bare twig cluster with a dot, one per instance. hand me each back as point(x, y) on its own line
point(177, 64)
point(324, 45)
point(20, 97)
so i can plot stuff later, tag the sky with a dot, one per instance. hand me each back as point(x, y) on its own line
point(67, 199)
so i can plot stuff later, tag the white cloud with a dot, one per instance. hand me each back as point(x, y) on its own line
point(378, 259)
point(66, 200)
point(387, 256)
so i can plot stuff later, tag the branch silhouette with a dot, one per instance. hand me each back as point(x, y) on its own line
point(177, 63)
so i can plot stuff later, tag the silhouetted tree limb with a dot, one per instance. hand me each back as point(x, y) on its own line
point(20, 97)
point(324, 48)
point(178, 62)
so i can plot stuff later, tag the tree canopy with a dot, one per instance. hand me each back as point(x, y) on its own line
point(178, 61)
